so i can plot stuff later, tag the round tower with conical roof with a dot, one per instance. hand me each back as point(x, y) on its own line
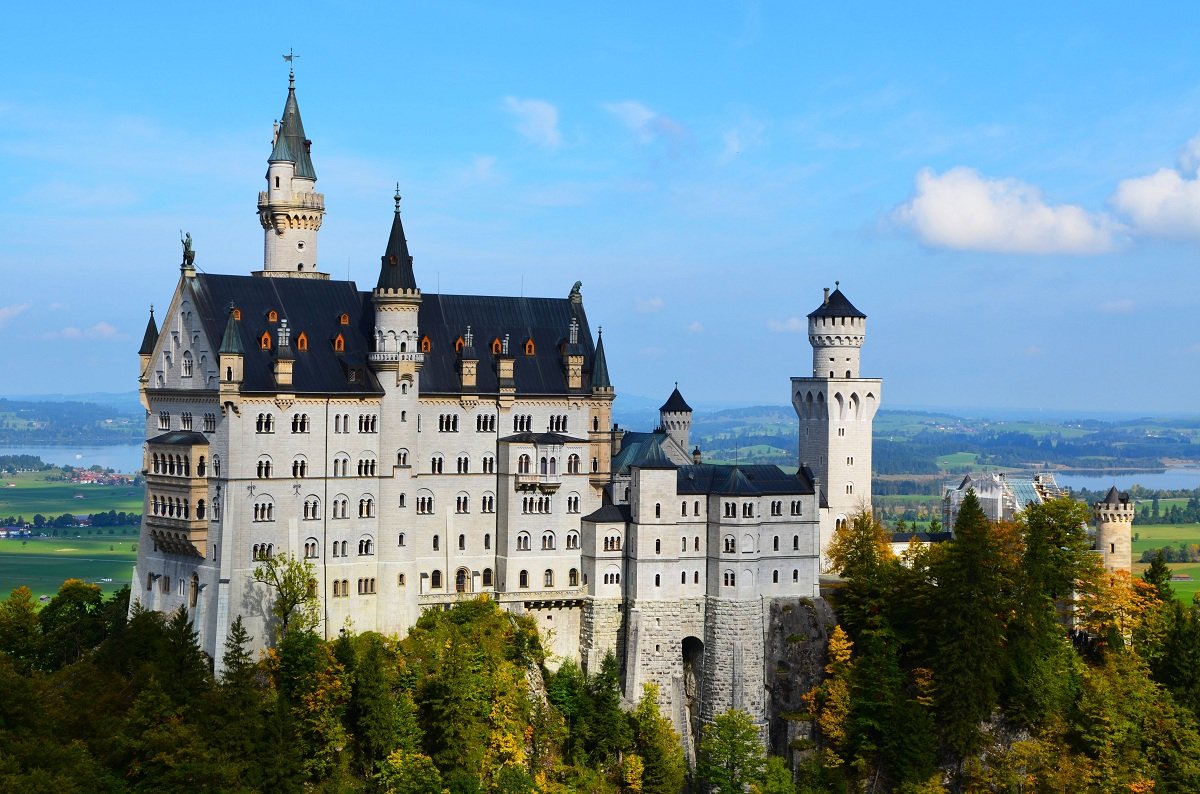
point(675, 416)
point(290, 209)
point(1113, 516)
point(836, 408)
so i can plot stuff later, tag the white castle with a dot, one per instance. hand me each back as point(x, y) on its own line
point(420, 449)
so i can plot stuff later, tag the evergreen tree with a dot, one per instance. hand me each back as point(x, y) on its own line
point(1158, 573)
point(658, 745)
point(20, 629)
point(731, 757)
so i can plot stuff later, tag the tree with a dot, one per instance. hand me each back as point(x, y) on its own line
point(407, 772)
point(658, 745)
point(295, 606)
point(731, 757)
point(1158, 574)
point(72, 622)
point(20, 631)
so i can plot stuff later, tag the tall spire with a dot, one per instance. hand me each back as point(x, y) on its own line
point(291, 130)
point(150, 339)
point(395, 270)
point(600, 365)
point(231, 342)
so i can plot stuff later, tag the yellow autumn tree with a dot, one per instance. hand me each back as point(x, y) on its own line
point(829, 701)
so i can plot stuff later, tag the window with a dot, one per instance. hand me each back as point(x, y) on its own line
point(164, 420)
point(489, 464)
point(776, 543)
point(299, 468)
point(436, 542)
point(683, 577)
point(523, 541)
point(729, 544)
point(265, 424)
point(366, 507)
point(344, 319)
point(485, 423)
point(435, 580)
point(658, 580)
point(795, 543)
point(339, 344)
point(210, 423)
point(464, 464)
point(572, 540)
point(312, 508)
point(264, 341)
point(185, 420)
point(548, 578)
point(523, 464)
point(774, 577)
point(529, 348)
point(300, 423)
point(310, 549)
point(487, 577)
point(572, 464)
point(573, 503)
point(366, 547)
point(488, 504)
point(436, 463)
point(302, 341)
point(795, 575)
point(264, 468)
point(462, 542)
point(523, 579)
point(426, 344)
point(849, 488)
point(400, 580)
point(487, 540)
point(366, 467)
point(401, 540)
point(462, 503)
point(448, 423)
point(201, 467)
point(728, 579)
point(185, 365)
point(748, 510)
point(657, 510)
point(460, 580)
point(425, 503)
point(657, 546)
point(547, 541)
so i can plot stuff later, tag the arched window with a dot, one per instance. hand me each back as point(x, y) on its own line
point(657, 510)
point(547, 541)
point(795, 543)
point(523, 464)
point(339, 344)
point(487, 577)
point(435, 542)
point(523, 541)
point(435, 580)
point(496, 346)
point(775, 577)
point(344, 319)
point(548, 578)
point(658, 580)
point(462, 542)
point(264, 341)
point(487, 540)
point(529, 348)
point(272, 316)
point(523, 579)
point(302, 341)
point(460, 580)
point(573, 464)
point(573, 577)
point(185, 365)
point(426, 344)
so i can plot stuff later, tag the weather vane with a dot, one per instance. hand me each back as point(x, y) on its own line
point(290, 55)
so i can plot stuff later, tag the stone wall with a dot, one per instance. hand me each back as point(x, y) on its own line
point(797, 634)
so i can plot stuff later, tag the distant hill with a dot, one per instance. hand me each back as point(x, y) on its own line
point(27, 422)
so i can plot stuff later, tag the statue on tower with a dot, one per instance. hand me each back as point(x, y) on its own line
point(189, 254)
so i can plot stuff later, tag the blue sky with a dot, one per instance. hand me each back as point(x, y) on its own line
point(1010, 194)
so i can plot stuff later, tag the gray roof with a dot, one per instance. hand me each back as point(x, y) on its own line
point(740, 480)
point(837, 305)
point(150, 338)
point(291, 131)
point(651, 456)
point(281, 153)
point(676, 404)
point(1115, 497)
point(396, 264)
point(600, 378)
point(610, 513)
point(231, 340)
point(543, 439)
point(189, 438)
point(632, 446)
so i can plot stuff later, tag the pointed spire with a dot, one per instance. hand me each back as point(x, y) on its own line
point(291, 131)
point(150, 339)
point(231, 342)
point(600, 365)
point(675, 404)
point(396, 271)
point(281, 153)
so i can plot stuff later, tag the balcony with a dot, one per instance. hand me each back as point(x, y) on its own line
point(175, 535)
point(314, 201)
point(387, 357)
point(546, 483)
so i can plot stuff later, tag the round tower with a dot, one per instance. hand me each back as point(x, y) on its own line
point(675, 416)
point(1114, 530)
point(836, 331)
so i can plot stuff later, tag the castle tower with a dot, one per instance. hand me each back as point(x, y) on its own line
point(837, 409)
point(397, 299)
point(675, 416)
point(1114, 530)
point(290, 209)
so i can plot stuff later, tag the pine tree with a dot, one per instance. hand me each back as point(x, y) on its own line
point(731, 758)
point(658, 745)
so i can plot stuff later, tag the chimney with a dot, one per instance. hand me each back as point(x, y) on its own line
point(826, 303)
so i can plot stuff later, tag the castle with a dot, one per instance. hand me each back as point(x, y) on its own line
point(419, 449)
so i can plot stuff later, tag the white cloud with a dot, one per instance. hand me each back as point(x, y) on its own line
point(648, 125)
point(1166, 202)
point(1120, 306)
point(537, 120)
point(790, 325)
point(744, 136)
point(12, 311)
point(650, 305)
point(695, 327)
point(963, 210)
point(100, 330)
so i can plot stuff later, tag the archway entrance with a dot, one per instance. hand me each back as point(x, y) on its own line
point(462, 581)
point(693, 683)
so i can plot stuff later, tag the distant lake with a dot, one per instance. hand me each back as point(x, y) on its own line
point(125, 458)
point(1170, 479)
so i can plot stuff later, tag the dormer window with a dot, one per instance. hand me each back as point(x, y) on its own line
point(237, 314)
point(529, 348)
point(339, 344)
point(426, 345)
point(302, 341)
point(344, 319)
point(496, 346)
point(272, 316)
point(458, 345)
point(264, 341)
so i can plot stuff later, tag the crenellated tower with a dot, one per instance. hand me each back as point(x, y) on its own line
point(837, 409)
point(290, 209)
point(1114, 530)
point(675, 416)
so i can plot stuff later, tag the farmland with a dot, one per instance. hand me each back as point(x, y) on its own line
point(42, 564)
point(27, 493)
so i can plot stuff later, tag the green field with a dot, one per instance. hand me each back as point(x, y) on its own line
point(42, 564)
point(27, 493)
point(956, 461)
point(1155, 536)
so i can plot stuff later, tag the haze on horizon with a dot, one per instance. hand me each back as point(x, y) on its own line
point(1011, 195)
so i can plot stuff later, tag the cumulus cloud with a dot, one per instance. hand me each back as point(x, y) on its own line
point(536, 120)
point(1166, 202)
point(100, 330)
point(963, 210)
point(650, 305)
point(1120, 306)
point(12, 311)
point(646, 124)
point(791, 325)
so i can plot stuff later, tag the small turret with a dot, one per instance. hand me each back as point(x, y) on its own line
point(601, 385)
point(149, 340)
point(397, 300)
point(1114, 530)
point(836, 331)
point(468, 362)
point(675, 417)
point(230, 356)
point(573, 357)
point(284, 357)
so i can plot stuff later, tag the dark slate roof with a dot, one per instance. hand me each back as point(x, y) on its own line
point(632, 446)
point(541, 438)
point(728, 480)
point(395, 269)
point(547, 321)
point(675, 404)
point(651, 456)
point(610, 513)
point(600, 366)
point(291, 130)
point(188, 438)
point(150, 338)
point(312, 307)
point(281, 153)
point(231, 340)
point(836, 306)
point(1115, 497)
